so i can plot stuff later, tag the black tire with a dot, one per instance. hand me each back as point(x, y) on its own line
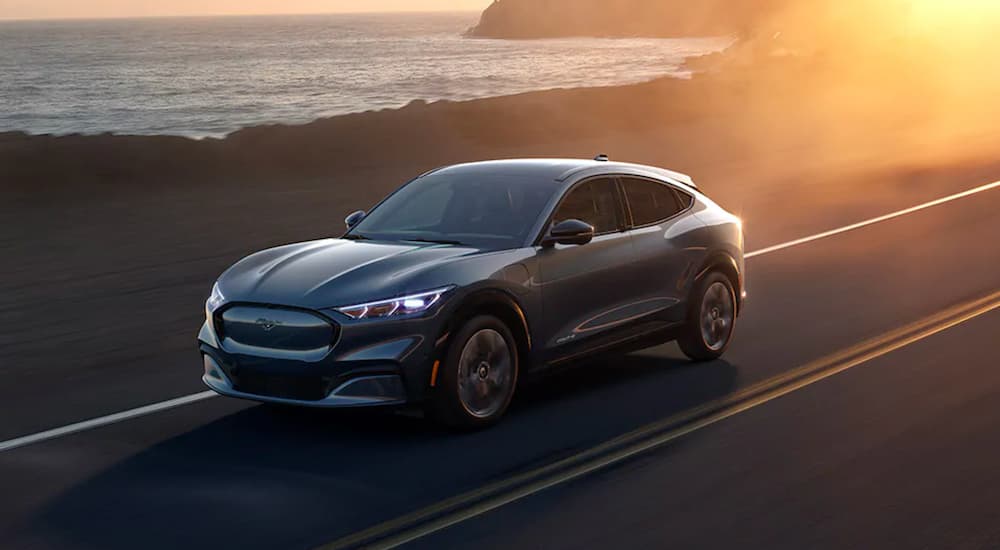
point(711, 319)
point(480, 366)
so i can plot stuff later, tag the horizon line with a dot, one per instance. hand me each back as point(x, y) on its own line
point(217, 15)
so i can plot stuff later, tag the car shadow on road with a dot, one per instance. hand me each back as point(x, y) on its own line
point(257, 479)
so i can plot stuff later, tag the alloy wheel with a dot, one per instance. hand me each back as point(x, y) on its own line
point(485, 375)
point(718, 313)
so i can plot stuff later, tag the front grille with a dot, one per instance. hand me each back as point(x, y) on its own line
point(276, 328)
point(302, 388)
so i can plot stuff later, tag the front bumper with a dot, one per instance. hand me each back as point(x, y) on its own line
point(368, 364)
point(364, 391)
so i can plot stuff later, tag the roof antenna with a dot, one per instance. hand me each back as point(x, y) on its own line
point(601, 158)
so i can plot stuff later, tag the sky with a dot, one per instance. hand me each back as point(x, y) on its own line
point(49, 9)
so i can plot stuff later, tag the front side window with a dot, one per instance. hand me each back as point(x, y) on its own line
point(482, 210)
point(650, 201)
point(595, 202)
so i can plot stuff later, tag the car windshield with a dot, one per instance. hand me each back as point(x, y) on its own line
point(486, 211)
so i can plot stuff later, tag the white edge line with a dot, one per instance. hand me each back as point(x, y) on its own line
point(872, 221)
point(105, 420)
point(11, 444)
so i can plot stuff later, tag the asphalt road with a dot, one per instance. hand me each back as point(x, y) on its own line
point(899, 453)
point(896, 452)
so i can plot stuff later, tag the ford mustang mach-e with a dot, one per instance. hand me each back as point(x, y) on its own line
point(470, 277)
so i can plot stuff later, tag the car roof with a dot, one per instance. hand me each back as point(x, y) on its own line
point(559, 170)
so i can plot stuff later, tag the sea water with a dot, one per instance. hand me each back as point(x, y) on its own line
point(208, 76)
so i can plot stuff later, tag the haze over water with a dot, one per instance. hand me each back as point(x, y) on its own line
point(210, 76)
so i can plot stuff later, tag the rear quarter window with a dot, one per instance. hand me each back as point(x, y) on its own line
point(684, 199)
point(651, 201)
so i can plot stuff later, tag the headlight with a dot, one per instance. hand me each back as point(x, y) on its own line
point(216, 300)
point(404, 305)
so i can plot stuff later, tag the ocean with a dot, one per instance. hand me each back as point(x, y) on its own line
point(208, 76)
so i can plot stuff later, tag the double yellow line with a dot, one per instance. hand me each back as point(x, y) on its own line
point(457, 509)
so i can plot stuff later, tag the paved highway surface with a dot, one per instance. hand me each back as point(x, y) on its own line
point(898, 451)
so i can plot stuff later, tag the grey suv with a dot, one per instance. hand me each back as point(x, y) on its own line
point(470, 277)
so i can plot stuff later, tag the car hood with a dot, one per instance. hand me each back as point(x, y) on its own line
point(333, 272)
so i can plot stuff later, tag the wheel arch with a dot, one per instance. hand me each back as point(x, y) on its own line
point(723, 263)
point(500, 304)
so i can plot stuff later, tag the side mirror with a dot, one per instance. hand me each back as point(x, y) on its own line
point(354, 218)
point(569, 232)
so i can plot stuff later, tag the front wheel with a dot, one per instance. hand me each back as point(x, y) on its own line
point(477, 376)
point(711, 319)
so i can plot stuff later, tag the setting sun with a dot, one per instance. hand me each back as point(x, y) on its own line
point(933, 12)
point(957, 24)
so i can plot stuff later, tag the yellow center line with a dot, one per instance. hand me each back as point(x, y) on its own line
point(457, 509)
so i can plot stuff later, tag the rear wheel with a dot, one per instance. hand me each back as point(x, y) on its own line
point(711, 319)
point(478, 375)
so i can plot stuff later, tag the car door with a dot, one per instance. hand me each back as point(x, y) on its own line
point(661, 231)
point(584, 289)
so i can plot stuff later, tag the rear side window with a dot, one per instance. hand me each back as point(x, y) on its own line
point(685, 199)
point(594, 202)
point(651, 201)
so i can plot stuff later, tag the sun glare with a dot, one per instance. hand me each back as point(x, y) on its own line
point(934, 15)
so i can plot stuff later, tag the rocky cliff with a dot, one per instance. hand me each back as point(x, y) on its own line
point(652, 18)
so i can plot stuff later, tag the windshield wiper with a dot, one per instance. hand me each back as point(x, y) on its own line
point(436, 241)
point(356, 237)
